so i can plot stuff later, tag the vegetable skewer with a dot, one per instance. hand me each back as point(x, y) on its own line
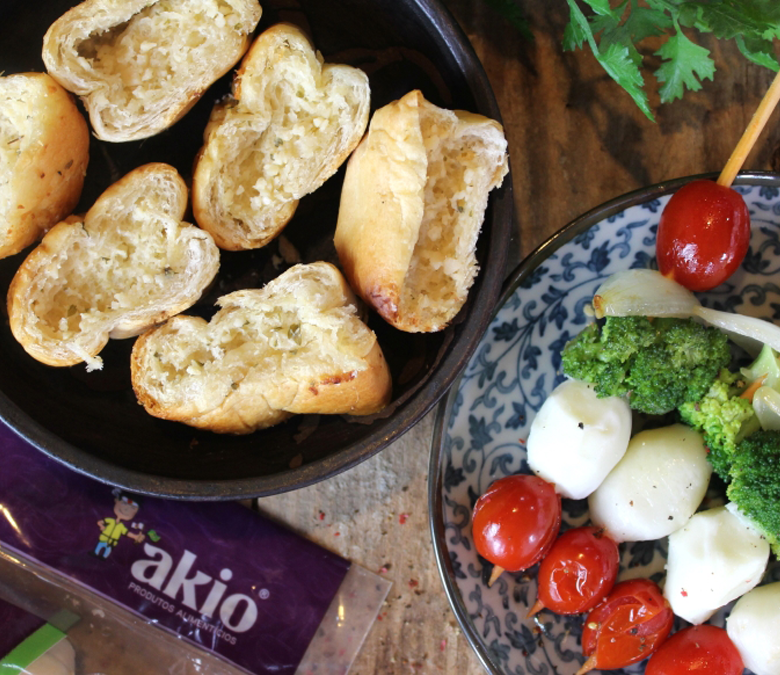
point(704, 232)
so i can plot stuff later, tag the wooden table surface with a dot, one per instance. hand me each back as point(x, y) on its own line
point(576, 140)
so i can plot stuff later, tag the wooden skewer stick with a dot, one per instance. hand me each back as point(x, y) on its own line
point(538, 607)
point(749, 138)
point(497, 572)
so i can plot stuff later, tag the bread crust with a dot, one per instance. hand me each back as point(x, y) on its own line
point(140, 65)
point(412, 205)
point(295, 346)
point(129, 263)
point(44, 152)
point(291, 123)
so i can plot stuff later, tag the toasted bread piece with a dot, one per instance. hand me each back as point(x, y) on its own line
point(294, 346)
point(44, 152)
point(129, 263)
point(140, 65)
point(293, 121)
point(412, 206)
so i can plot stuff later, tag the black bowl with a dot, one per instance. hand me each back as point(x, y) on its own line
point(92, 421)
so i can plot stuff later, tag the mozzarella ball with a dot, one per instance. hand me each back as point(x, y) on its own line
point(754, 628)
point(655, 488)
point(577, 438)
point(714, 559)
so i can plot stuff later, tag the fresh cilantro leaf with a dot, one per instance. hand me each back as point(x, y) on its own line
point(609, 30)
point(640, 23)
point(645, 22)
point(758, 51)
point(575, 34)
point(580, 28)
point(636, 25)
point(772, 32)
point(615, 31)
point(727, 20)
point(604, 23)
point(601, 7)
point(685, 65)
point(617, 61)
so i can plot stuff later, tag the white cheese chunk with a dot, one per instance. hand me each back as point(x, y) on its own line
point(577, 438)
point(714, 559)
point(754, 628)
point(655, 488)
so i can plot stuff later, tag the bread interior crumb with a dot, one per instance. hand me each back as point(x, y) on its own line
point(295, 338)
point(282, 132)
point(443, 264)
point(136, 259)
point(17, 133)
point(137, 62)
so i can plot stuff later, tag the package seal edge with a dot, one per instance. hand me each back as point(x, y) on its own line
point(37, 644)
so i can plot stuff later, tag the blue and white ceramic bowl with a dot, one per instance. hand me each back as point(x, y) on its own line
point(482, 424)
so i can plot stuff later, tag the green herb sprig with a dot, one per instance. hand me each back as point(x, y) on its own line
point(615, 31)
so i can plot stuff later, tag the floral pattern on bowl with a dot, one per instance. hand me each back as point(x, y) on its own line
point(482, 424)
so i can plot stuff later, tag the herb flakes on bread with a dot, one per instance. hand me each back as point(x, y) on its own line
point(128, 264)
point(140, 65)
point(291, 124)
point(44, 152)
point(412, 206)
point(294, 346)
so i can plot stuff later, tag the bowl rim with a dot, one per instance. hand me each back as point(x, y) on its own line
point(484, 293)
point(443, 412)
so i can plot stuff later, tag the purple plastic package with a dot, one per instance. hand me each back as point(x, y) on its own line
point(17, 625)
point(31, 646)
point(217, 574)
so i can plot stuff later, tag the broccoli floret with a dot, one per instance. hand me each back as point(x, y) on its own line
point(659, 363)
point(600, 355)
point(723, 418)
point(755, 483)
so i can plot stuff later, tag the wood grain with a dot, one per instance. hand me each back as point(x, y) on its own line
point(576, 140)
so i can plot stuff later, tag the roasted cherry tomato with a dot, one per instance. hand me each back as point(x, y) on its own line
point(703, 235)
point(578, 572)
point(703, 649)
point(626, 626)
point(516, 521)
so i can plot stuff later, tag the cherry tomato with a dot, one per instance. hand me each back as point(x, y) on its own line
point(578, 572)
point(516, 521)
point(701, 649)
point(703, 235)
point(626, 626)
